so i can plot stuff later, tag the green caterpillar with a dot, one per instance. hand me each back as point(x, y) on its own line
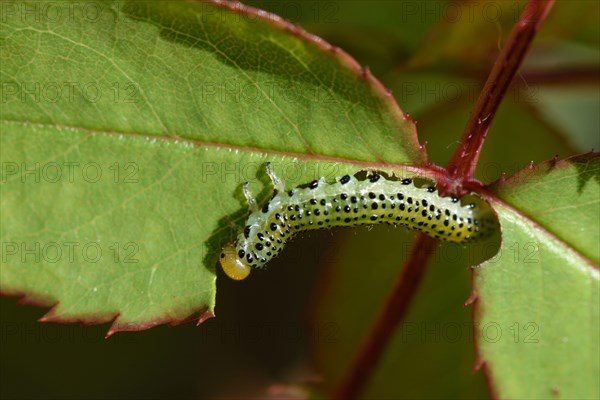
point(349, 202)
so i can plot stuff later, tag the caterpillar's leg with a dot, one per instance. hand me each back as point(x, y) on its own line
point(276, 181)
point(249, 198)
point(231, 224)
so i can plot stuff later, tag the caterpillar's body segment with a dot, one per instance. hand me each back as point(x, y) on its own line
point(350, 202)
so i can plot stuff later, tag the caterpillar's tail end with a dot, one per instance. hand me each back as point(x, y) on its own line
point(233, 266)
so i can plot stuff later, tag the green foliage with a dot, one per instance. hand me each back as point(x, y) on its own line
point(176, 121)
point(548, 263)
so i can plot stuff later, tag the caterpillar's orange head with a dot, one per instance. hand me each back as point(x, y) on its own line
point(234, 267)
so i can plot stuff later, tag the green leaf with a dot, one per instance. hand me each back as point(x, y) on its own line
point(563, 197)
point(537, 303)
point(175, 104)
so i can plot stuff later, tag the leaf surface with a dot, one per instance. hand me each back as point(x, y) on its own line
point(538, 306)
point(140, 122)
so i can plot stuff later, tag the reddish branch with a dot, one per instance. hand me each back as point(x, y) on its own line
point(507, 64)
point(461, 169)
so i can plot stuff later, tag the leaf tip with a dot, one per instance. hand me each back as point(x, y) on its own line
point(479, 363)
point(334, 49)
point(365, 73)
point(204, 316)
point(51, 315)
point(473, 297)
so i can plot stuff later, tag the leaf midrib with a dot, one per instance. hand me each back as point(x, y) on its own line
point(422, 170)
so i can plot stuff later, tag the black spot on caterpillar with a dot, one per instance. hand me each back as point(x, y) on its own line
point(349, 202)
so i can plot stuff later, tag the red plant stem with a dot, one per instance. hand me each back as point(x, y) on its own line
point(463, 162)
point(392, 313)
point(461, 167)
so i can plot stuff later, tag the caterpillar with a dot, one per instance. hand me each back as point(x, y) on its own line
point(349, 202)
